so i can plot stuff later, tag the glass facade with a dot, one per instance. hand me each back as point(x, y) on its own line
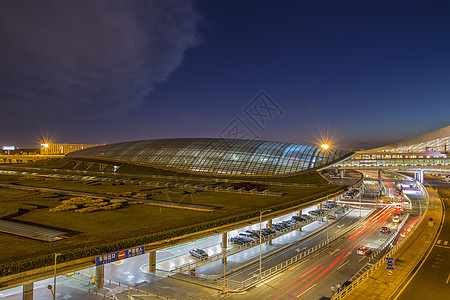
point(219, 156)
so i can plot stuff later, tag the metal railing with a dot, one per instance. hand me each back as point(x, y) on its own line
point(361, 279)
point(389, 240)
point(236, 249)
point(240, 285)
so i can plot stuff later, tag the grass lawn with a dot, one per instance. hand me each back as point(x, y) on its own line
point(104, 226)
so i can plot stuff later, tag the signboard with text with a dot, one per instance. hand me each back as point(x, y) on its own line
point(389, 263)
point(8, 148)
point(115, 256)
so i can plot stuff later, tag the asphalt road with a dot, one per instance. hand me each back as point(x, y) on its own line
point(432, 280)
point(314, 277)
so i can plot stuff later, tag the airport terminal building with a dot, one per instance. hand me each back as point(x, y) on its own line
point(218, 157)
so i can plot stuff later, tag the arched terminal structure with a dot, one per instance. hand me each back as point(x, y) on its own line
point(218, 156)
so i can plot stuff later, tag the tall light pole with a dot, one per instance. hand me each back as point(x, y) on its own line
point(360, 194)
point(53, 290)
point(260, 241)
point(328, 209)
point(224, 264)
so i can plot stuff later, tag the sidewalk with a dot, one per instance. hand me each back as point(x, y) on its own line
point(406, 260)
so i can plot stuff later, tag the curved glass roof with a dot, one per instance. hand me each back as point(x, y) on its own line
point(218, 156)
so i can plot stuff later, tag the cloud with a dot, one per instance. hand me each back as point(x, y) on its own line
point(89, 58)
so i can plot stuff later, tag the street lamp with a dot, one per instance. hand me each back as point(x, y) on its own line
point(360, 195)
point(328, 209)
point(260, 241)
point(224, 265)
point(53, 290)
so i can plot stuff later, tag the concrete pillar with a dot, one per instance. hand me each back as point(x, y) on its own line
point(224, 245)
point(152, 261)
point(380, 181)
point(269, 225)
point(419, 176)
point(99, 276)
point(27, 293)
point(300, 213)
point(341, 173)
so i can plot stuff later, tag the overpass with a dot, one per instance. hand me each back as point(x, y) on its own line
point(427, 153)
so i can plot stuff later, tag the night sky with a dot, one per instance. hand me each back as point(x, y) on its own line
point(366, 73)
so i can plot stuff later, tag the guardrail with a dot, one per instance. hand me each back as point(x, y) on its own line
point(345, 292)
point(280, 267)
point(389, 240)
point(236, 249)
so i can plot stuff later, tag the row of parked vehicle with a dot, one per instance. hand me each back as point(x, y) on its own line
point(351, 194)
point(249, 236)
point(325, 207)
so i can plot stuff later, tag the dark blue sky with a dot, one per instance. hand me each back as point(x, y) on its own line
point(368, 73)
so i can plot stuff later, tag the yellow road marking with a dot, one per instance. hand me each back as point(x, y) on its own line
point(447, 278)
point(446, 247)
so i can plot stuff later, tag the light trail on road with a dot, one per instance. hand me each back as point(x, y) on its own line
point(328, 264)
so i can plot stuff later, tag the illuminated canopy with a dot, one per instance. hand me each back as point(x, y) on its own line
point(218, 156)
point(435, 141)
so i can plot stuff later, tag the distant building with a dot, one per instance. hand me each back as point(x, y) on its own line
point(62, 149)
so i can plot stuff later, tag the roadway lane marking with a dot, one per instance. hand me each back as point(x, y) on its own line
point(344, 264)
point(445, 243)
point(298, 296)
point(447, 278)
point(440, 246)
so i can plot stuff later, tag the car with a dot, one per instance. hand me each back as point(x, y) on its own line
point(395, 219)
point(253, 234)
point(320, 212)
point(198, 253)
point(264, 233)
point(385, 229)
point(277, 227)
point(240, 240)
point(284, 225)
point(306, 217)
point(364, 250)
point(288, 223)
point(269, 231)
point(298, 218)
point(246, 234)
point(313, 212)
point(332, 216)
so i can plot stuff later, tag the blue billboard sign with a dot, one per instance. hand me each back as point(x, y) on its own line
point(389, 263)
point(8, 148)
point(119, 255)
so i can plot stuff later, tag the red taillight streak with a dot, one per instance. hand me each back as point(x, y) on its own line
point(335, 269)
point(300, 282)
point(352, 245)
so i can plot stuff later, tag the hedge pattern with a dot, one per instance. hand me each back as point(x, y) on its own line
point(87, 251)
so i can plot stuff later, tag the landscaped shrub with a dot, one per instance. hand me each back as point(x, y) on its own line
point(46, 260)
point(91, 204)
